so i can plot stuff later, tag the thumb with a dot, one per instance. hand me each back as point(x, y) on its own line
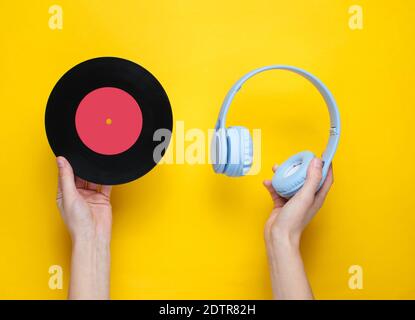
point(314, 174)
point(66, 181)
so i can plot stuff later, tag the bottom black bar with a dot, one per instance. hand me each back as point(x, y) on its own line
point(209, 309)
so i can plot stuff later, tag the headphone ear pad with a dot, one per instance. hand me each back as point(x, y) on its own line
point(219, 150)
point(240, 151)
point(290, 176)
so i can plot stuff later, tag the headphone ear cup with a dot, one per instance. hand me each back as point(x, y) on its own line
point(239, 151)
point(290, 176)
point(219, 150)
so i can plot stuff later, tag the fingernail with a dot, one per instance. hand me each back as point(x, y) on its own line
point(60, 162)
point(317, 163)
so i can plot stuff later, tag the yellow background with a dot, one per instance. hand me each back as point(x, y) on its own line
point(182, 231)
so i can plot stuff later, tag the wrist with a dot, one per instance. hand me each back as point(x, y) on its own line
point(90, 243)
point(286, 239)
point(90, 238)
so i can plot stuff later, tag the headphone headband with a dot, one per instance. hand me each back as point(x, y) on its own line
point(324, 91)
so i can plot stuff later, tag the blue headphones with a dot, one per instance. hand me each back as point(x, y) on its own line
point(232, 149)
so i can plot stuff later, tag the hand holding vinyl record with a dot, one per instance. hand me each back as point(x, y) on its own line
point(86, 209)
point(101, 116)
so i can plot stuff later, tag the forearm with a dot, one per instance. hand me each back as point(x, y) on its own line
point(287, 271)
point(90, 270)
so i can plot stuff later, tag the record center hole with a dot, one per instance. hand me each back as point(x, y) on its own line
point(108, 121)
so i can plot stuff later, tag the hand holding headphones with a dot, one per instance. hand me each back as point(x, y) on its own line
point(232, 148)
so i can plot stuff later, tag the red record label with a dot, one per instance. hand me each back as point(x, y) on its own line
point(108, 120)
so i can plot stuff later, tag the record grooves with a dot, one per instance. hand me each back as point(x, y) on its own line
point(102, 114)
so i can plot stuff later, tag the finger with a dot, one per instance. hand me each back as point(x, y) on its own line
point(270, 188)
point(274, 167)
point(321, 195)
point(59, 180)
point(66, 181)
point(276, 198)
point(313, 179)
point(106, 190)
point(325, 188)
point(80, 183)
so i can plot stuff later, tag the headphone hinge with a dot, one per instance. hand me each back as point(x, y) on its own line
point(334, 131)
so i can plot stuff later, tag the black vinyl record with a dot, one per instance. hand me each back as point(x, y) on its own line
point(102, 115)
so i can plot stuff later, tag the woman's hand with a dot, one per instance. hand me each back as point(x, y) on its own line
point(283, 232)
point(86, 209)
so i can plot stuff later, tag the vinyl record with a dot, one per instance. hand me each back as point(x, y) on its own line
point(102, 115)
